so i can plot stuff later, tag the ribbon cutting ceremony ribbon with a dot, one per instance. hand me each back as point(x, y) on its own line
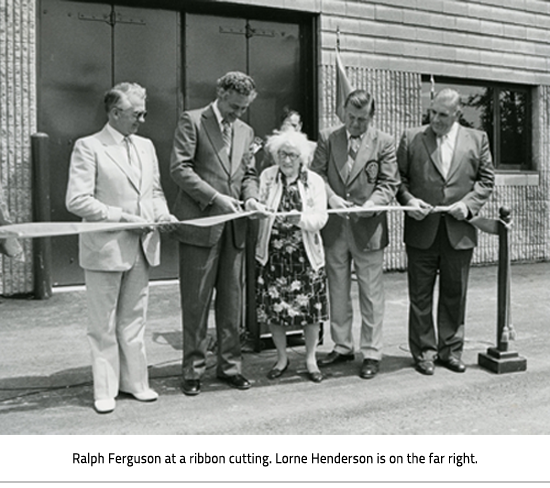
point(54, 229)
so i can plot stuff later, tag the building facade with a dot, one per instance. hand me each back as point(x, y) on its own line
point(496, 52)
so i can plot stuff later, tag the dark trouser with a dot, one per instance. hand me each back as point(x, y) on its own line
point(453, 267)
point(201, 270)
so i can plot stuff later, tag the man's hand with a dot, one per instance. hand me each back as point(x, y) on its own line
point(368, 204)
point(338, 202)
point(252, 205)
point(131, 218)
point(169, 222)
point(227, 204)
point(421, 209)
point(459, 211)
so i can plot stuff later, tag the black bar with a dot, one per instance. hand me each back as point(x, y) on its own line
point(42, 248)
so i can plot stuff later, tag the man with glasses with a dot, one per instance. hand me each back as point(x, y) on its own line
point(447, 175)
point(213, 165)
point(359, 166)
point(114, 177)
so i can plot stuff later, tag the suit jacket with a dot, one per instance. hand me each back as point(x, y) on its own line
point(470, 180)
point(201, 168)
point(374, 176)
point(101, 186)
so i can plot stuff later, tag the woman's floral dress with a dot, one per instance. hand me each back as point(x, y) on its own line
point(289, 292)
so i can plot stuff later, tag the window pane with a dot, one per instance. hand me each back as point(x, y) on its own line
point(513, 123)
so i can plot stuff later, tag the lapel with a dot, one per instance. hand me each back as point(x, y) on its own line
point(460, 148)
point(340, 152)
point(141, 151)
point(430, 142)
point(117, 153)
point(238, 145)
point(364, 154)
point(214, 133)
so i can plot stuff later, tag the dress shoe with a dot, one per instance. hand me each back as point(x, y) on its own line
point(425, 367)
point(369, 369)
point(106, 405)
point(335, 357)
point(191, 387)
point(145, 395)
point(453, 364)
point(236, 381)
point(276, 372)
point(315, 376)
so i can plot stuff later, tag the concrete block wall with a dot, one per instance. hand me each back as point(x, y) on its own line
point(17, 124)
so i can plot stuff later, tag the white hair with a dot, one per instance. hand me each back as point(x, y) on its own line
point(298, 140)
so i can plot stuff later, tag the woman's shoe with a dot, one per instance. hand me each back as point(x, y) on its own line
point(276, 372)
point(315, 376)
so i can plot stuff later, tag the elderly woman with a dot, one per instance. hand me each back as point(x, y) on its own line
point(291, 287)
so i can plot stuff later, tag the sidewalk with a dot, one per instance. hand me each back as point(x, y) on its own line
point(45, 375)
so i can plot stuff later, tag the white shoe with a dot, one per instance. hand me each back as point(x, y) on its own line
point(105, 406)
point(146, 395)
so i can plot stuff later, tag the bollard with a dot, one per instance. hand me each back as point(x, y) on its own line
point(42, 251)
point(501, 359)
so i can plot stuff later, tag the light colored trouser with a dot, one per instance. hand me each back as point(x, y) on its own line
point(368, 267)
point(117, 307)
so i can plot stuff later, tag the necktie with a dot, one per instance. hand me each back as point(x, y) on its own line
point(445, 153)
point(132, 159)
point(227, 135)
point(354, 143)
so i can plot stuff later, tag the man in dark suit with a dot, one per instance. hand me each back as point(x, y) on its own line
point(359, 165)
point(447, 174)
point(213, 167)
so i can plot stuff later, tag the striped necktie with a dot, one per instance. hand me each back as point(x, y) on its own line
point(227, 135)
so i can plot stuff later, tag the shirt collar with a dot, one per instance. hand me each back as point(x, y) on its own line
point(453, 132)
point(115, 134)
point(217, 113)
point(360, 138)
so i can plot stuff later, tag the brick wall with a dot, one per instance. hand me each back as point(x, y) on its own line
point(17, 123)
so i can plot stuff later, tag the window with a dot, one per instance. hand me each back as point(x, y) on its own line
point(503, 111)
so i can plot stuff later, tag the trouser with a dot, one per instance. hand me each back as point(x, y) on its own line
point(117, 306)
point(203, 269)
point(453, 267)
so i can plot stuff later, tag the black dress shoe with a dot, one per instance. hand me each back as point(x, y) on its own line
point(369, 369)
point(276, 372)
point(191, 387)
point(335, 357)
point(425, 367)
point(236, 381)
point(453, 364)
point(315, 376)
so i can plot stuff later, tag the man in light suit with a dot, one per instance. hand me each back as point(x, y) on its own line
point(114, 177)
point(447, 175)
point(213, 166)
point(359, 166)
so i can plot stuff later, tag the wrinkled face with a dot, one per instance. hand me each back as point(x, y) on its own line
point(233, 105)
point(289, 160)
point(357, 120)
point(443, 114)
point(292, 122)
point(128, 115)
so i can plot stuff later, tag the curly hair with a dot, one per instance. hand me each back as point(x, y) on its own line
point(237, 82)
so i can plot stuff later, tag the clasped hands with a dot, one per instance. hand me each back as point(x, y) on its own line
point(458, 210)
point(337, 202)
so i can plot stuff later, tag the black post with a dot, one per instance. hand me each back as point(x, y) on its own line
point(500, 359)
point(42, 250)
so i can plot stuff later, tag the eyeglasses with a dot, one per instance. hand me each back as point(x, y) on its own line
point(137, 115)
point(292, 156)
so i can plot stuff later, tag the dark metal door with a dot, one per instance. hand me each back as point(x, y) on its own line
point(267, 51)
point(84, 49)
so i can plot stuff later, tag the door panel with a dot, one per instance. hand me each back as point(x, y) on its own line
point(278, 79)
point(73, 77)
point(213, 46)
point(146, 51)
point(84, 51)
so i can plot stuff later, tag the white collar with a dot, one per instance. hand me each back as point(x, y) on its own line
point(115, 134)
point(452, 134)
point(217, 113)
